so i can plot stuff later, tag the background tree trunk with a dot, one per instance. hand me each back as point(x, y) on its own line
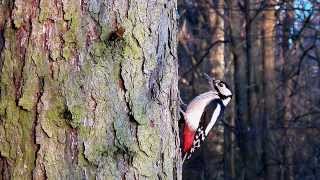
point(269, 75)
point(88, 90)
point(288, 20)
point(213, 152)
point(239, 33)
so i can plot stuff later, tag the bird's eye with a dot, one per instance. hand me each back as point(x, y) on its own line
point(220, 84)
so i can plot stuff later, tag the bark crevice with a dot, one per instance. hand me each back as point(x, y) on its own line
point(5, 168)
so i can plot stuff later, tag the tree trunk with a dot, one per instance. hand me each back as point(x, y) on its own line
point(269, 86)
point(239, 33)
point(88, 90)
point(216, 24)
point(255, 86)
point(245, 30)
point(229, 141)
point(287, 172)
point(213, 149)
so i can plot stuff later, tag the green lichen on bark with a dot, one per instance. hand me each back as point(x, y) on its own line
point(99, 49)
point(105, 32)
point(78, 113)
point(125, 140)
point(145, 165)
point(53, 116)
point(46, 10)
point(140, 32)
point(73, 39)
point(149, 140)
point(29, 98)
point(17, 122)
point(131, 50)
point(18, 13)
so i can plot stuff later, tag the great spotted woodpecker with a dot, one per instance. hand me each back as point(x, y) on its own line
point(196, 128)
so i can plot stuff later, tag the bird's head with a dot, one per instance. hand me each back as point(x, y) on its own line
point(219, 86)
point(222, 89)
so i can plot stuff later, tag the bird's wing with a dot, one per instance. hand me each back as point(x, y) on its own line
point(197, 106)
point(207, 116)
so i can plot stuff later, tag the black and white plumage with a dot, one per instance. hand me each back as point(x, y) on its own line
point(196, 127)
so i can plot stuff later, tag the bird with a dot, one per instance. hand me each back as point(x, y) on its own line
point(196, 128)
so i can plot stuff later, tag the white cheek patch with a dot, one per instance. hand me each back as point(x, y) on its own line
point(225, 91)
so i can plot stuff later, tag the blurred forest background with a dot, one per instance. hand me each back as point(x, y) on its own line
point(268, 51)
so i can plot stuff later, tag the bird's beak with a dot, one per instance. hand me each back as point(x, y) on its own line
point(208, 77)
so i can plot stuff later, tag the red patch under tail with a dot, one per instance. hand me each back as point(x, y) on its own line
point(188, 136)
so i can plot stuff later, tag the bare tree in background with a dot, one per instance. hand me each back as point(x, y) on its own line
point(271, 60)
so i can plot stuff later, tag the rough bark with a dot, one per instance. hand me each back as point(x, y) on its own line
point(88, 90)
